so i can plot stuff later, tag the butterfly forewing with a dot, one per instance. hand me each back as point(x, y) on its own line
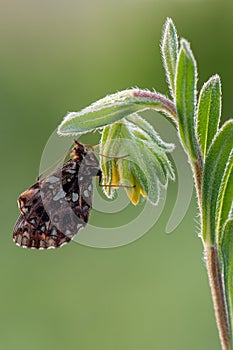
point(56, 207)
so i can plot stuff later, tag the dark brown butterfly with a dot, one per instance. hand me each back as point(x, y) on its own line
point(57, 206)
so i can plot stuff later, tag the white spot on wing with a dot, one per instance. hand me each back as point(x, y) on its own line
point(74, 197)
point(52, 179)
point(86, 193)
point(59, 195)
point(53, 232)
point(55, 218)
point(32, 221)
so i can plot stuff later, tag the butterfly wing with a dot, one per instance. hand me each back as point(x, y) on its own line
point(50, 213)
point(28, 236)
point(56, 207)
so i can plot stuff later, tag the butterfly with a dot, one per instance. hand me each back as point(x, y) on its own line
point(56, 207)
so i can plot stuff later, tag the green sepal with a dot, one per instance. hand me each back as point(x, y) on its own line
point(145, 126)
point(131, 148)
point(139, 155)
point(109, 147)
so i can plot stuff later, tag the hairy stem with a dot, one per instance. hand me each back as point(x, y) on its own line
point(197, 169)
point(218, 296)
point(214, 274)
point(154, 97)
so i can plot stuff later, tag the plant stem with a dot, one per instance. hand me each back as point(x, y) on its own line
point(197, 169)
point(218, 295)
point(214, 274)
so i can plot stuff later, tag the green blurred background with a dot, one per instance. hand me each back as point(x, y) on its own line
point(59, 56)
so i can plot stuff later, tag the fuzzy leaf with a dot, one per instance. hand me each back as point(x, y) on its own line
point(227, 257)
point(113, 108)
point(216, 176)
point(169, 50)
point(209, 112)
point(186, 80)
point(225, 197)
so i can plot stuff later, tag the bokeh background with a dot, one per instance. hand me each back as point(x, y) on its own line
point(59, 56)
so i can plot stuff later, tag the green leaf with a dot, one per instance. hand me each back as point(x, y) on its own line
point(186, 80)
point(209, 113)
point(169, 50)
point(227, 257)
point(113, 108)
point(216, 177)
point(225, 197)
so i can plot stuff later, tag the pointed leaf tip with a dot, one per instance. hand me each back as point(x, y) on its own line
point(169, 50)
point(209, 113)
point(186, 83)
point(113, 108)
